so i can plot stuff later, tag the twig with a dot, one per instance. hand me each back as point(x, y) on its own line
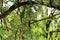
point(33, 21)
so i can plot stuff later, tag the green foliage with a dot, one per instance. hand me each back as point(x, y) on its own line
point(18, 24)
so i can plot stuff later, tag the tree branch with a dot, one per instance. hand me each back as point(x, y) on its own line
point(14, 7)
point(55, 31)
point(25, 3)
point(33, 21)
